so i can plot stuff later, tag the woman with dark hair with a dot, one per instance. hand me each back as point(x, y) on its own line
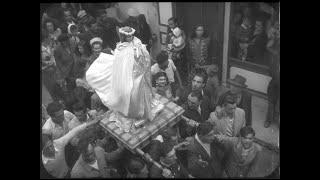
point(50, 25)
point(81, 56)
point(162, 86)
point(198, 50)
point(178, 57)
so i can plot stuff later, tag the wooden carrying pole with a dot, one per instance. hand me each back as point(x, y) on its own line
point(149, 159)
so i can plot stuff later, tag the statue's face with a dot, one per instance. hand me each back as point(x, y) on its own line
point(129, 38)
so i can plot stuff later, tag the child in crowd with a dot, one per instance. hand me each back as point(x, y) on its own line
point(73, 31)
point(162, 86)
point(177, 43)
point(164, 64)
point(244, 36)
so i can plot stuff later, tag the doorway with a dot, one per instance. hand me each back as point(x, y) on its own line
point(211, 14)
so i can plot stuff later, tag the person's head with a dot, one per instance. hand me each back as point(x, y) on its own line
point(64, 39)
point(205, 132)
point(73, 30)
point(173, 22)
point(50, 25)
point(86, 149)
point(168, 153)
point(194, 99)
point(96, 48)
point(82, 15)
point(126, 34)
point(234, 89)
point(82, 48)
point(67, 15)
point(161, 79)
point(199, 80)
point(93, 25)
point(259, 25)
point(137, 168)
point(247, 136)
point(162, 60)
point(199, 31)
point(80, 111)
point(237, 17)
point(133, 13)
point(229, 104)
point(102, 14)
point(170, 134)
point(56, 112)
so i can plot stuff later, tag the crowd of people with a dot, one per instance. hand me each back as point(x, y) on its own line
point(255, 33)
point(215, 139)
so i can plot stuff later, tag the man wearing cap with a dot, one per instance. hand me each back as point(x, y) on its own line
point(139, 23)
point(243, 98)
point(83, 18)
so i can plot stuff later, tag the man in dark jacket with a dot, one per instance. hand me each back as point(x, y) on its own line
point(68, 19)
point(139, 23)
point(197, 109)
point(198, 83)
point(204, 156)
point(169, 161)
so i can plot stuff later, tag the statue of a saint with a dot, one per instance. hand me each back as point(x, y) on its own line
point(123, 81)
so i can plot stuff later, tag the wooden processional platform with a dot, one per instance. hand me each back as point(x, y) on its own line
point(168, 117)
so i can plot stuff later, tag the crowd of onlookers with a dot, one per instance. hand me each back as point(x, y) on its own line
point(255, 33)
point(215, 139)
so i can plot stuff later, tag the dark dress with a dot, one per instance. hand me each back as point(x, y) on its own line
point(198, 54)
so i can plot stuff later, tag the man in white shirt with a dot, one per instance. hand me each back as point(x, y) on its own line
point(57, 125)
point(83, 116)
point(53, 153)
point(93, 160)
